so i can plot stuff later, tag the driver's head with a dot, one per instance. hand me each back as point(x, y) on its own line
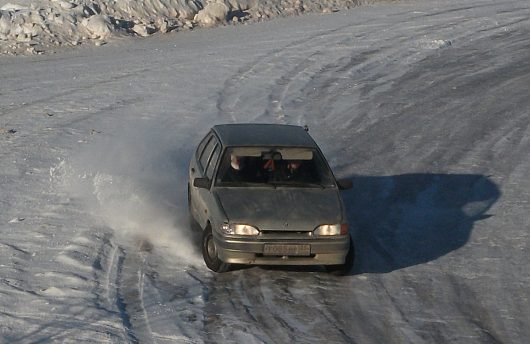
point(293, 165)
point(236, 162)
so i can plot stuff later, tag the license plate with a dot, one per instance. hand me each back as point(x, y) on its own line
point(286, 250)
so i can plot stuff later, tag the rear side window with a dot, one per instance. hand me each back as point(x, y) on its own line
point(213, 161)
point(202, 144)
point(206, 152)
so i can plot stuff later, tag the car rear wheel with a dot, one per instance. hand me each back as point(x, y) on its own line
point(209, 252)
point(343, 269)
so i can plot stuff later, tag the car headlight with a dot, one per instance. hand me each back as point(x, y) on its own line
point(239, 229)
point(328, 230)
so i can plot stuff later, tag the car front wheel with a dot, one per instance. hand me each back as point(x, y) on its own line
point(209, 252)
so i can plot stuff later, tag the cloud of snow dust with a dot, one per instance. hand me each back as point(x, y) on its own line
point(135, 182)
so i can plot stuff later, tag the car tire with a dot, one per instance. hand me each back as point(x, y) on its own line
point(343, 269)
point(209, 252)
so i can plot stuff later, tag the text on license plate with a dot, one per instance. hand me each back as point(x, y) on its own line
point(286, 250)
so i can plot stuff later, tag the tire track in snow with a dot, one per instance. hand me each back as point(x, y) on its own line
point(228, 98)
point(121, 303)
point(274, 110)
point(273, 305)
point(130, 286)
point(105, 266)
point(234, 89)
point(72, 91)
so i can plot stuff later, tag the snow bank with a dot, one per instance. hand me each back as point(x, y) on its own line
point(31, 27)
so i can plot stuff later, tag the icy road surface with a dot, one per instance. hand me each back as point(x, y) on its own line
point(426, 105)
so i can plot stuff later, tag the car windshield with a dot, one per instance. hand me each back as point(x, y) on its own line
point(273, 167)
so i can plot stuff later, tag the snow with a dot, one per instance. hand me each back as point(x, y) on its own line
point(36, 27)
point(212, 14)
point(423, 104)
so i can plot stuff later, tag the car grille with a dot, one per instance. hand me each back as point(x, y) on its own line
point(279, 234)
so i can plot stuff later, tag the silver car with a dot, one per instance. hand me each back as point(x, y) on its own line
point(264, 195)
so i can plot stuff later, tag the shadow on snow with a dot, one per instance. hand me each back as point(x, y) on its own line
point(405, 220)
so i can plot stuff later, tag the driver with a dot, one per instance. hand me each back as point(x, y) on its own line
point(296, 171)
point(292, 170)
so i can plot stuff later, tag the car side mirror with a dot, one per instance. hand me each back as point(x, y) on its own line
point(203, 183)
point(345, 184)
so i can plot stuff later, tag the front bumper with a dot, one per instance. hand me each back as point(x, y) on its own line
point(324, 251)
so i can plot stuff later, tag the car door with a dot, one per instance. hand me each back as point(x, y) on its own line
point(196, 171)
point(206, 164)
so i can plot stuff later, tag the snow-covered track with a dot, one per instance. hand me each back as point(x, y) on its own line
point(423, 104)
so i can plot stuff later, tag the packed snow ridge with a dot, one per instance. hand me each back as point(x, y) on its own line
point(32, 27)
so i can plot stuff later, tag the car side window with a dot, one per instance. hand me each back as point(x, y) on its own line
point(202, 144)
point(206, 152)
point(213, 161)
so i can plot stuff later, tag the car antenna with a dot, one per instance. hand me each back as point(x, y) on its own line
point(306, 128)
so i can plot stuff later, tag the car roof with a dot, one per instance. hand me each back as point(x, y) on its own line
point(280, 135)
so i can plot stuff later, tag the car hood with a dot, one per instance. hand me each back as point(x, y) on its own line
point(288, 209)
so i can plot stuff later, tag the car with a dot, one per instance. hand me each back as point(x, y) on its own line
point(263, 194)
